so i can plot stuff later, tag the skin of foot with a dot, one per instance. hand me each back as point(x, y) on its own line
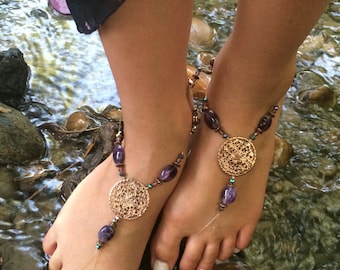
point(151, 80)
point(195, 203)
point(72, 239)
point(252, 72)
point(141, 73)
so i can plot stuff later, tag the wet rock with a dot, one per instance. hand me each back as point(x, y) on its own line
point(205, 58)
point(283, 152)
point(6, 213)
point(14, 257)
point(23, 141)
point(27, 176)
point(334, 10)
point(327, 168)
point(8, 187)
point(202, 35)
point(308, 79)
point(102, 146)
point(14, 74)
point(77, 121)
point(113, 113)
point(321, 95)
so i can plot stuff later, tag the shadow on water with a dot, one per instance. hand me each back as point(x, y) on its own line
point(300, 224)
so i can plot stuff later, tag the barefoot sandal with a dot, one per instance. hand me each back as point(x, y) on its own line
point(129, 198)
point(237, 155)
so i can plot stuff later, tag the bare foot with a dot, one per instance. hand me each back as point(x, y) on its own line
point(192, 210)
point(71, 241)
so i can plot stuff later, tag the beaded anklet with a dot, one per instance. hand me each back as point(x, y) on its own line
point(237, 155)
point(129, 198)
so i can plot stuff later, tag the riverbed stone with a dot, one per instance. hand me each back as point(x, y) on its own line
point(8, 187)
point(18, 258)
point(14, 76)
point(202, 35)
point(282, 153)
point(321, 95)
point(20, 141)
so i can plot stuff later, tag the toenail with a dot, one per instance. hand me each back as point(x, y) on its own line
point(236, 250)
point(159, 265)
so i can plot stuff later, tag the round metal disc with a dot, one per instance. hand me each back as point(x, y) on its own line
point(129, 199)
point(237, 156)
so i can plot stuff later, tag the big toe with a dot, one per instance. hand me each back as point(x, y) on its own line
point(165, 247)
point(49, 243)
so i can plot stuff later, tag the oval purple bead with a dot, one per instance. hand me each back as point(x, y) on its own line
point(168, 173)
point(265, 123)
point(229, 195)
point(118, 154)
point(211, 119)
point(105, 233)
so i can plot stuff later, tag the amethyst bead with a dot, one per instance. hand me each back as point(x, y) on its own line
point(265, 123)
point(106, 233)
point(211, 119)
point(168, 173)
point(228, 195)
point(118, 154)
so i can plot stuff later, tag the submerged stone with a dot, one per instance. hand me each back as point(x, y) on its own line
point(23, 142)
point(322, 95)
point(202, 35)
point(77, 121)
point(283, 151)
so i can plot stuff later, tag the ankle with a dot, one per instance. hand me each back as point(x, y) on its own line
point(153, 142)
point(241, 86)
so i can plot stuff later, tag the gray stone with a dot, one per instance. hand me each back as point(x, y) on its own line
point(8, 187)
point(20, 141)
point(14, 76)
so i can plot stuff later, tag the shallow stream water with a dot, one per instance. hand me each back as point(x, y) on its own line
point(300, 225)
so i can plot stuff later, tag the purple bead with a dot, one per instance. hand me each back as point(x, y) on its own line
point(168, 173)
point(211, 119)
point(228, 195)
point(264, 123)
point(118, 154)
point(105, 233)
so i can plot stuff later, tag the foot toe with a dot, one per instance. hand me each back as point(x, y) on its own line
point(226, 249)
point(49, 243)
point(193, 252)
point(165, 247)
point(208, 259)
point(55, 262)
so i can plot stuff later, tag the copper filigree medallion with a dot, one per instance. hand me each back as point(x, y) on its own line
point(129, 199)
point(237, 156)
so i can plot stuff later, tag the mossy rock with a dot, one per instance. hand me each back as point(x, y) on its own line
point(20, 141)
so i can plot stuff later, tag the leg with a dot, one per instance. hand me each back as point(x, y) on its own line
point(252, 72)
point(146, 45)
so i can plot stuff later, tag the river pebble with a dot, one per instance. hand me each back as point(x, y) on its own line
point(23, 141)
point(202, 35)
